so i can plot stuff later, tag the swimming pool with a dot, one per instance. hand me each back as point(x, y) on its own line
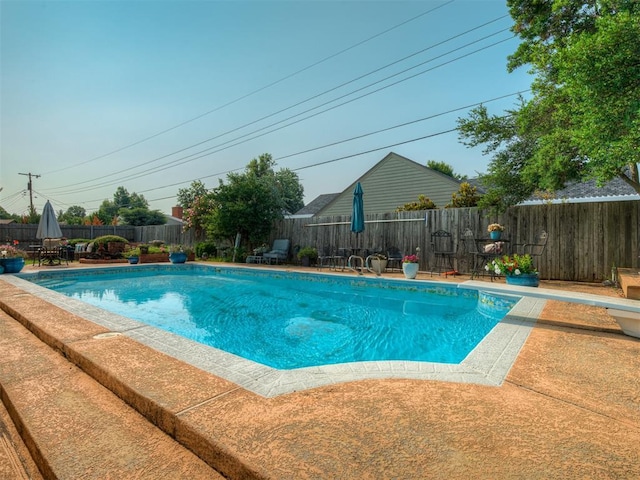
point(287, 320)
point(487, 363)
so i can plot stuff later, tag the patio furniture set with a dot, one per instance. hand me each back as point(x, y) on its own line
point(480, 251)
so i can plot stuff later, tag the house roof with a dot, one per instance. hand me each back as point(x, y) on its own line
point(173, 220)
point(6, 221)
point(615, 190)
point(315, 205)
point(392, 182)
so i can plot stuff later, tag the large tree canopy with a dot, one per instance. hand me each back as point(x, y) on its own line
point(75, 215)
point(583, 120)
point(247, 203)
point(187, 196)
point(132, 209)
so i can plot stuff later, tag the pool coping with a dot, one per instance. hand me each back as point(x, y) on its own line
point(488, 364)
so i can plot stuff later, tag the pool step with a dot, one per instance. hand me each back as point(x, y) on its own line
point(74, 427)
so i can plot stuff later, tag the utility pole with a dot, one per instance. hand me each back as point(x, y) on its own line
point(32, 211)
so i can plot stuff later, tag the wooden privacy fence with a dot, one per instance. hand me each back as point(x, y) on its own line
point(586, 240)
point(169, 234)
point(26, 233)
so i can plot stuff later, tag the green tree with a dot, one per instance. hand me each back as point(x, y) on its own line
point(583, 120)
point(250, 201)
point(142, 216)
point(4, 215)
point(122, 203)
point(188, 196)
point(247, 205)
point(508, 179)
point(73, 216)
point(445, 168)
point(291, 190)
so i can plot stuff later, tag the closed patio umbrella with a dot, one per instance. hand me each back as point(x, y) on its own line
point(357, 215)
point(48, 226)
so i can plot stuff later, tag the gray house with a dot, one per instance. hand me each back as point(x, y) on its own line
point(389, 184)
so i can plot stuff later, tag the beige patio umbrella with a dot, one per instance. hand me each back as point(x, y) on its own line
point(48, 226)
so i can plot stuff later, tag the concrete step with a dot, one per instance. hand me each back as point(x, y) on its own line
point(74, 427)
point(629, 279)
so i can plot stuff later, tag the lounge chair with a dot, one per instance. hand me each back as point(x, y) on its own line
point(279, 252)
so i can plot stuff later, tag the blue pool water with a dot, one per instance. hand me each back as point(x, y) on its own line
point(288, 320)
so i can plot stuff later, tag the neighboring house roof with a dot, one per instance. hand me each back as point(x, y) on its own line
point(315, 205)
point(6, 221)
point(393, 182)
point(475, 182)
point(616, 190)
point(173, 220)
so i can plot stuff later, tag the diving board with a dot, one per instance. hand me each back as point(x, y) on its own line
point(625, 311)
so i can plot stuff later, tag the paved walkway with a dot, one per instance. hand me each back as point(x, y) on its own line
point(569, 408)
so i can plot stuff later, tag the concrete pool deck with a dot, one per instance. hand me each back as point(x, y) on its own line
point(569, 408)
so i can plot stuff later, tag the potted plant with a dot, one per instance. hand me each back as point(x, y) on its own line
point(307, 255)
point(133, 255)
point(11, 258)
point(376, 263)
point(410, 266)
point(177, 254)
point(517, 269)
point(495, 231)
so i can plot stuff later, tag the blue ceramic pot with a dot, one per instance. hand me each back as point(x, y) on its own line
point(12, 265)
point(495, 235)
point(178, 257)
point(524, 280)
point(133, 260)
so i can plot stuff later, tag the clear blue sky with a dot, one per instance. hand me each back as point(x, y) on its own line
point(86, 83)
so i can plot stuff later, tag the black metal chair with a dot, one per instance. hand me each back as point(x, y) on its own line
point(535, 249)
point(481, 256)
point(443, 249)
point(394, 258)
point(325, 258)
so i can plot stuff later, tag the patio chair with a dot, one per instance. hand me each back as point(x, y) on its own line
point(52, 253)
point(443, 252)
point(481, 256)
point(535, 249)
point(279, 251)
point(394, 258)
point(325, 257)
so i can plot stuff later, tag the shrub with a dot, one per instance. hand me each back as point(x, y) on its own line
point(206, 249)
point(74, 241)
point(105, 239)
point(310, 252)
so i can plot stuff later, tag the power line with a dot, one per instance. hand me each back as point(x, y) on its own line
point(203, 153)
point(348, 140)
point(430, 117)
point(254, 91)
point(297, 104)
